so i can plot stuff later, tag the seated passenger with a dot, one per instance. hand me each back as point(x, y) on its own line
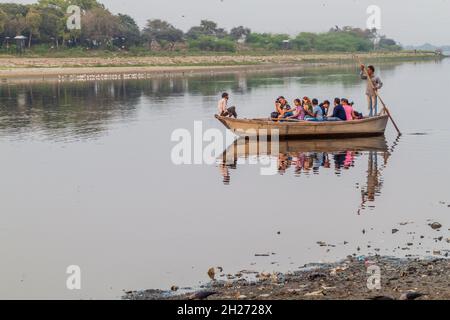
point(317, 113)
point(307, 106)
point(358, 115)
point(223, 108)
point(299, 111)
point(349, 112)
point(338, 112)
point(283, 109)
point(325, 106)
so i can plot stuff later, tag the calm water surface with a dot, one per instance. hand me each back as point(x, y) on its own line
point(87, 180)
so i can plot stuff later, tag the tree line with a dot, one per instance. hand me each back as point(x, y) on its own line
point(44, 24)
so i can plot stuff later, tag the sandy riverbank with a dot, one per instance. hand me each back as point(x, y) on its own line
point(106, 68)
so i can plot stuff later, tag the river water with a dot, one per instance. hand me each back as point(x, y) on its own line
point(87, 180)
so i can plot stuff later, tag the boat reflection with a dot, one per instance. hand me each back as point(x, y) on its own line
point(311, 157)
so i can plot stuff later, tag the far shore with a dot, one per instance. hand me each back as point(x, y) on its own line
point(19, 69)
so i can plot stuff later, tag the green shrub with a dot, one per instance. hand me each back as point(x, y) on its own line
point(305, 41)
point(342, 41)
point(267, 40)
point(209, 43)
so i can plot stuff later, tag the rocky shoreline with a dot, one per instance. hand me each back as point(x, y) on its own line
point(351, 279)
point(357, 277)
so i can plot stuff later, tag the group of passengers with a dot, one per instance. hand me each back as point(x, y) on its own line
point(310, 110)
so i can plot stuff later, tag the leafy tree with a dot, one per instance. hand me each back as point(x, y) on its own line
point(388, 44)
point(32, 23)
point(45, 22)
point(206, 28)
point(53, 26)
point(129, 29)
point(64, 4)
point(305, 41)
point(221, 33)
point(99, 27)
point(209, 27)
point(87, 4)
point(161, 31)
point(14, 9)
point(3, 19)
point(267, 41)
point(239, 32)
point(15, 19)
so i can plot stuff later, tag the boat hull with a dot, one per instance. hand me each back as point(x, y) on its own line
point(309, 129)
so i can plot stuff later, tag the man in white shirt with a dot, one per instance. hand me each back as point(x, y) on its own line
point(223, 109)
point(373, 85)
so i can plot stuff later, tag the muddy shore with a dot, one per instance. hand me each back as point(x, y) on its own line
point(400, 279)
point(357, 277)
point(15, 69)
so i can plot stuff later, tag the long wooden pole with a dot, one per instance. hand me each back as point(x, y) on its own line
point(378, 96)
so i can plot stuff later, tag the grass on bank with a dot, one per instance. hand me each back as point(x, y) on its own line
point(43, 51)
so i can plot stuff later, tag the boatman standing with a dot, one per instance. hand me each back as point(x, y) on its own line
point(372, 88)
point(223, 109)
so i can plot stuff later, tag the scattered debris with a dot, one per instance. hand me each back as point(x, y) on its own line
point(248, 272)
point(381, 298)
point(411, 295)
point(316, 276)
point(315, 293)
point(315, 281)
point(328, 288)
point(201, 295)
point(336, 270)
point(212, 273)
point(436, 225)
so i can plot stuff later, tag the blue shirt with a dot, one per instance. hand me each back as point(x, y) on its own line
point(339, 112)
point(318, 112)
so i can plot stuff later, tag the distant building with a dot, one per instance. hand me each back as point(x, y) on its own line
point(20, 43)
point(286, 44)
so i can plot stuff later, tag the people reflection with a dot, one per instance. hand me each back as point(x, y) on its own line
point(295, 156)
point(224, 169)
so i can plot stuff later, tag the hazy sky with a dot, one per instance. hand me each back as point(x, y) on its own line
point(407, 21)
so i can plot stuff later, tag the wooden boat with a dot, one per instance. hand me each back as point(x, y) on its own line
point(309, 129)
point(245, 148)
